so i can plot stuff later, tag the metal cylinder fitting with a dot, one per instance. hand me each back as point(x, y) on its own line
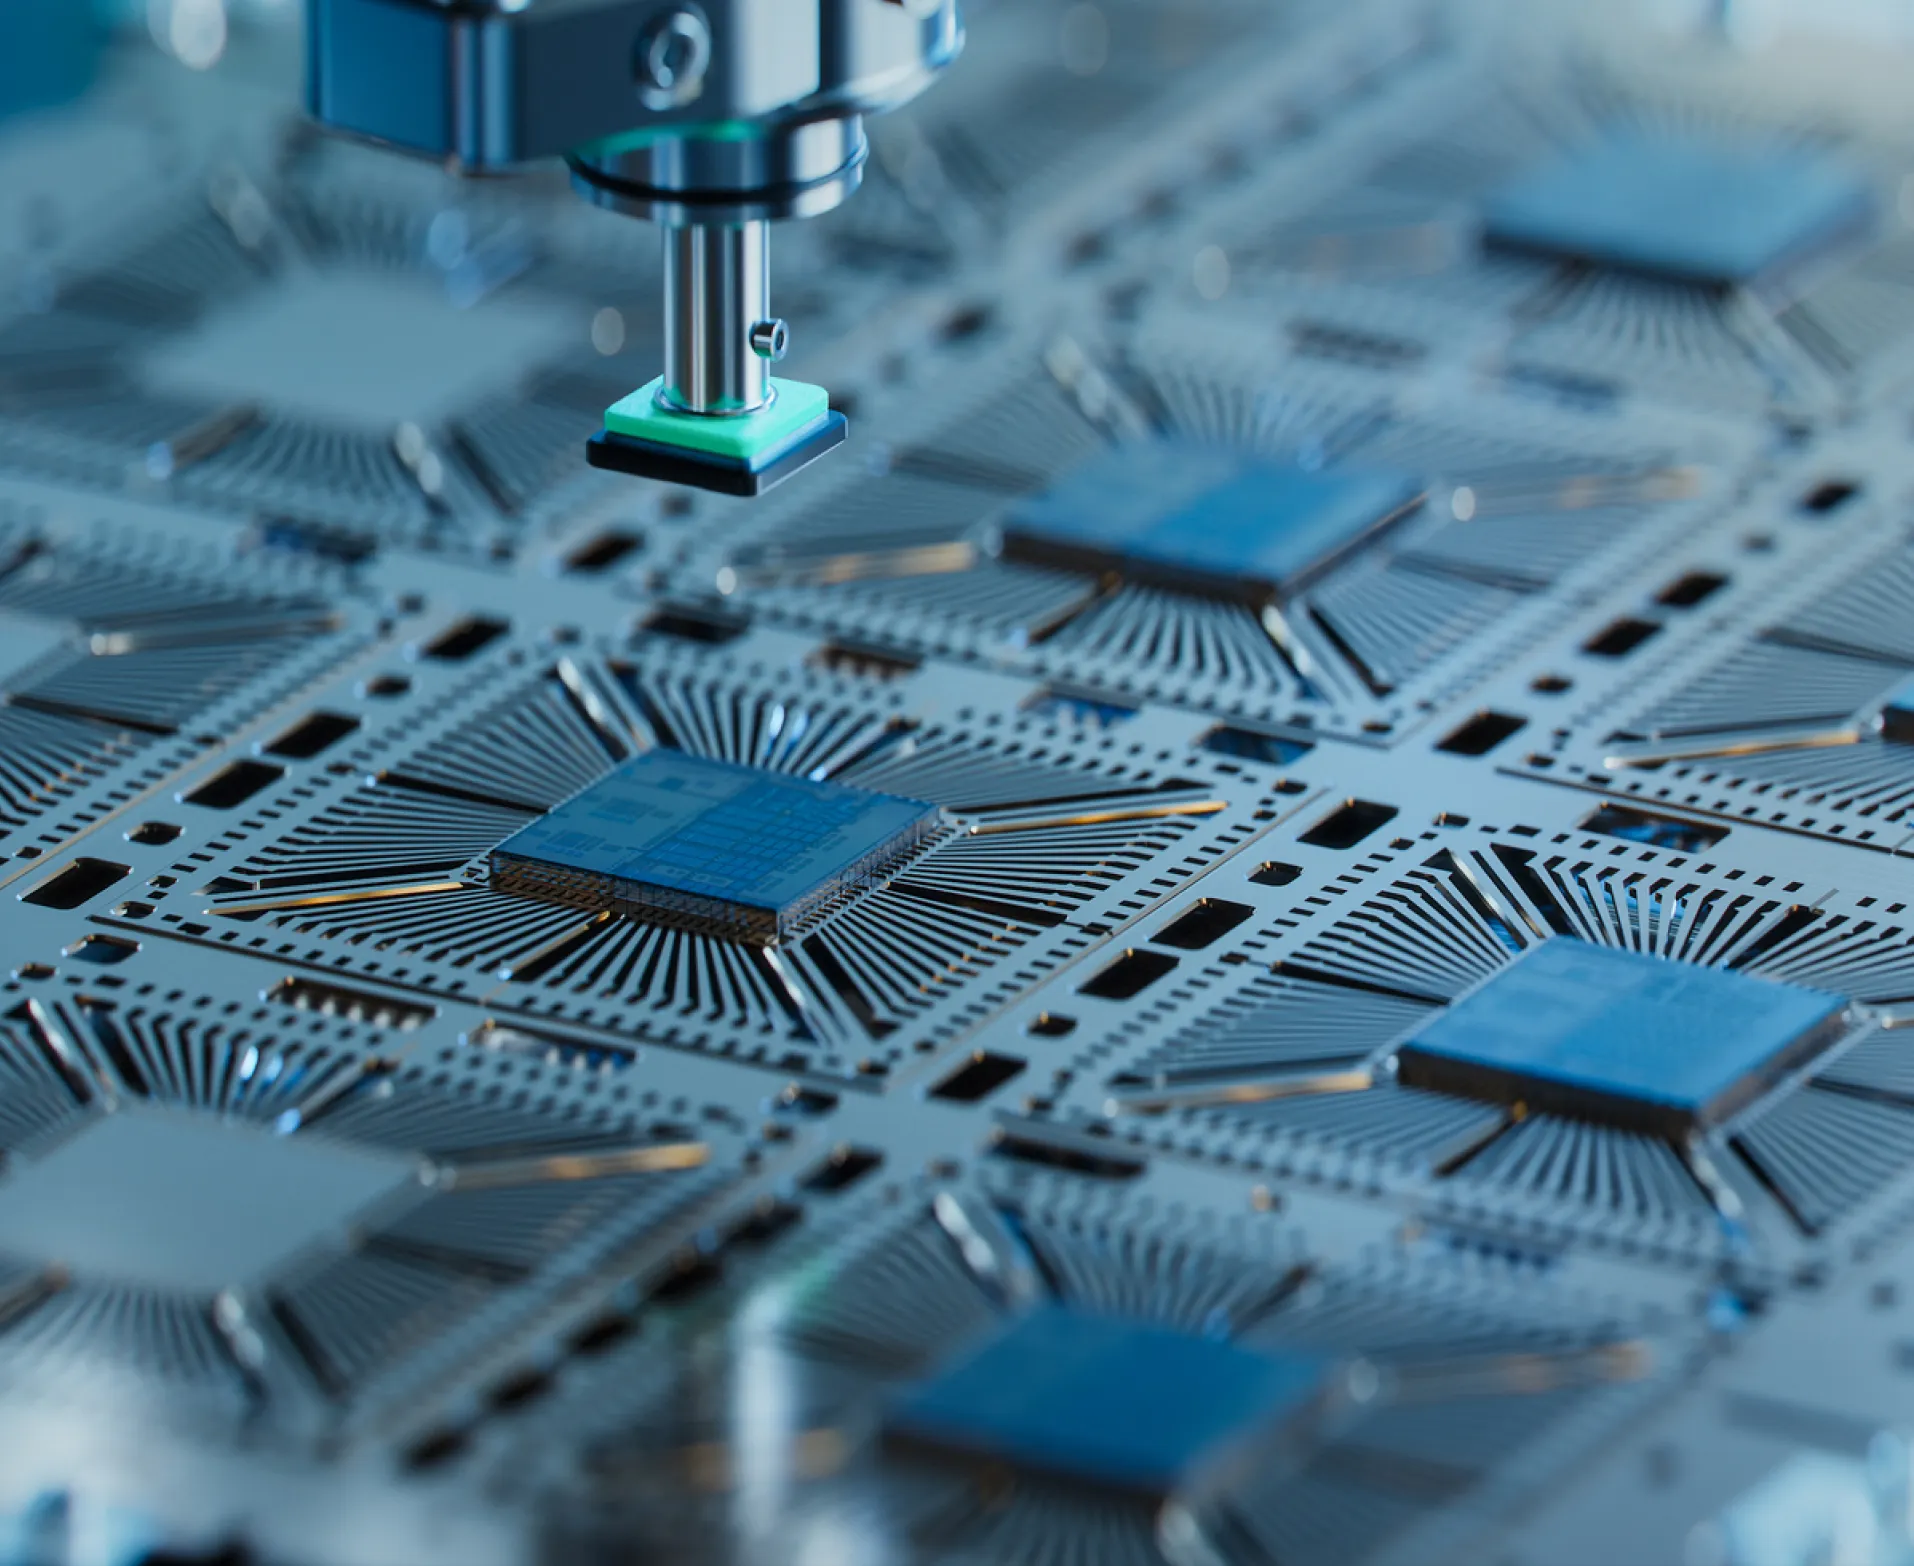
point(771, 340)
point(717, 292)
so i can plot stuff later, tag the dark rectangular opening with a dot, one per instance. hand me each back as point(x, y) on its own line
point(461, 641)
point(339, 1000)
point(1131, 974)
point(341, 546)
point(234, 785)
point(1273, 872)
point(1348, 824)
point(1273, 750)
point(1481, 734)
point(1829, 495)
point(1075, 1157)
point(844, 1168)
point(602, 1333)
point(765, 1222)
point(314, 733)
point(1087, 707)
point(864, 662)
point(79, 882)
point(1620, 637)
point(978, 1077)
point(1209, 920)
point(966, 322)
point(708, 627)
point(603, 552)
point(1328, 340)
point(152, 833)
point(102, 950)
point(1641, 826)
point(1693, 588)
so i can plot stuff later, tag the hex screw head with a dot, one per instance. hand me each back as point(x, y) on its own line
point(672, 56)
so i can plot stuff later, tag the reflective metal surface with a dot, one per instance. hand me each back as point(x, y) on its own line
point(717, 288)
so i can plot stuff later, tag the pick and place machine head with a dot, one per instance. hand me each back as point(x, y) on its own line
point(711, 118)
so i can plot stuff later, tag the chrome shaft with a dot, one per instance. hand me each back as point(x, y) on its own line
point(717, 290)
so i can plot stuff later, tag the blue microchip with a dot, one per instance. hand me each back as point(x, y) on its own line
point(710, 845)
point(1642, 1042)
point(1678, 208)
point(1109, 1400)
point(1205, 519)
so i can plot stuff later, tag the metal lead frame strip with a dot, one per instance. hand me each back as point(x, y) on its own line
point(495, 1174)
point(1650, 753)
point(1200, 807)
point(333, 899)
point(201, 440)
point(1213, 1095)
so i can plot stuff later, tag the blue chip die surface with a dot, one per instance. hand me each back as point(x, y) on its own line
point(1679, 208)
point(710, 846)
point(1205, 519)
point(1645, 1043)
point(1108, 1400)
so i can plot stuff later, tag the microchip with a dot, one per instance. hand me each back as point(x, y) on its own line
point(307, 345)
point(1645, 1043)
point(1205, 519)
point(710, 846)
point(1131, 1405)
point(182, 1202)
point(1676, 208)
point(1897, 714)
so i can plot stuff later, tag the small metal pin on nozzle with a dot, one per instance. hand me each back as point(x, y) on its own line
point(770, 340)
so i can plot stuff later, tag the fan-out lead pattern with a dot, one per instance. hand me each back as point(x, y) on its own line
point(220, 357)
point(1308, 1408)
point(257, 1217)
point(1601, 1045)
point(115, 649)
point(1600, 227)
point(1799, 722)
point(1176, 527)
point(396, 877)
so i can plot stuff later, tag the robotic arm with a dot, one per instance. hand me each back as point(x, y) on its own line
point(711, 118)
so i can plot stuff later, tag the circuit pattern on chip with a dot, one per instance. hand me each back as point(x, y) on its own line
point(1679, 208)
point(1108, 1400)
point(714, 847)
point(1644, 1043)
point(1206, 519)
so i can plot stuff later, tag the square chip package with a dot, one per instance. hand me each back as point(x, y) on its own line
point(1678, 208)
point(1644, 1043)
point(186, 1202)
point(1205, 519)
point(710, 846)
point(1131, 1405)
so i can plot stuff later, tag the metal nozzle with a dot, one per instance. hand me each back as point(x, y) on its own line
point(718, 318)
